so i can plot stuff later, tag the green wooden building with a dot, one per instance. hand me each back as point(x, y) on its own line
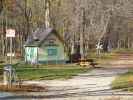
point(45, 46)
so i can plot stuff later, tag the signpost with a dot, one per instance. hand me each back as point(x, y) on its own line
point(99, 47)
point(11, 34)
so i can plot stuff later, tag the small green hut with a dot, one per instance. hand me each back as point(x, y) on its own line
point(45, 46)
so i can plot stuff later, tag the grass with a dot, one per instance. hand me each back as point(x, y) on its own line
point(104, 58)
point(28, 72)
point(111, 55)
point(108, 56)
point(123, 50)
point(124, 81)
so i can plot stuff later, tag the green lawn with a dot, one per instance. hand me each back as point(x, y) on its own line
point(28, 72)
point(123, 50)
point(124, 81)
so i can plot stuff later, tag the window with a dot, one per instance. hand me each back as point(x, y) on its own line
point(51, 41)
point(52, 52)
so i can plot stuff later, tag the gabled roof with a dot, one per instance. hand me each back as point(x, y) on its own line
point(39, 36)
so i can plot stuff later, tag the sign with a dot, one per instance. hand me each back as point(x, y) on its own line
point(10, 33)
point(99, 46)
point(10, 54)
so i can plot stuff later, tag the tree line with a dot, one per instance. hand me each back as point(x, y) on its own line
point(81, 23)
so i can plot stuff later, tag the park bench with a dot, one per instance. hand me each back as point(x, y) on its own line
point(87, 62)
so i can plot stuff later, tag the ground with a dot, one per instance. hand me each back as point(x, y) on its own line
point(95, 84)
point(119, 61)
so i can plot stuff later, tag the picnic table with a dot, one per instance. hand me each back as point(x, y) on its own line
point(87, 62)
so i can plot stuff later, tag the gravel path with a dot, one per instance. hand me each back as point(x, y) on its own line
point(94, 84)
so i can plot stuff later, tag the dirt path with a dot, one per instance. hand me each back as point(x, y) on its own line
point(94, 83)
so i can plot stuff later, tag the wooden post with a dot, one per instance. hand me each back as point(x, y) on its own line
point(11, 50)
point(37, 57)
point(5, 82)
